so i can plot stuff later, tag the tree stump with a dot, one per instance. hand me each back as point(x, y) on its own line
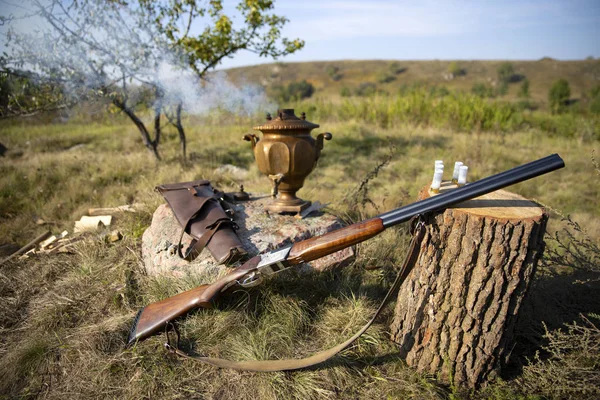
point(456, 312)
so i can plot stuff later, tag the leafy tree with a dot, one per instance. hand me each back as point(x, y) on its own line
point(108, 50)
point(524, 90)
point(558, 95)
point(20, 94)
point(295, 91)
point(506, 71)
point(220, 38)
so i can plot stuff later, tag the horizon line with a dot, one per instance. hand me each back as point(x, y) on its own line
point(546, 58)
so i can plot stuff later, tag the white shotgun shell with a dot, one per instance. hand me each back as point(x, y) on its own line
point(437, 180)
point(439, 164)
point(457, 166)
point(462, 174)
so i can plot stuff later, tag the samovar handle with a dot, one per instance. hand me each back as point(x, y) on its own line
point(251, 137)
point(320, 137)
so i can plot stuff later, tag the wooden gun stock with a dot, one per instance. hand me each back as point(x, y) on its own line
point(153, 318)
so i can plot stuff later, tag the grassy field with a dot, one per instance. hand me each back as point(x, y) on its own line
point(65, 318)
point(581, 75)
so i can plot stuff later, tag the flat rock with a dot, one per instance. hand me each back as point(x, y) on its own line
point(258, 232)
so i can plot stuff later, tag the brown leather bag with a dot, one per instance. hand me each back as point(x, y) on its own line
point(198, 208)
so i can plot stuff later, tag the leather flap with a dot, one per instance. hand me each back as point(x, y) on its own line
point(182, 185)
point(197, 207)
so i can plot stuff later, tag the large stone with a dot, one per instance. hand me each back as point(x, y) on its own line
point(258, 232)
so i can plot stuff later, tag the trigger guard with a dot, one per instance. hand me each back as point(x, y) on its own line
point(251, 280)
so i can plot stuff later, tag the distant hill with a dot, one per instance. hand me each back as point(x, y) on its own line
point(329, 77)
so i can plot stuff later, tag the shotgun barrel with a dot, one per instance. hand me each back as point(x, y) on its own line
point(472, 190)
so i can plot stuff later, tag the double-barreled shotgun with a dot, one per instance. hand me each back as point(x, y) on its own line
point(154, 318)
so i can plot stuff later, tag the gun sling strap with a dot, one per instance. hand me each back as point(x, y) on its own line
point(292, 364)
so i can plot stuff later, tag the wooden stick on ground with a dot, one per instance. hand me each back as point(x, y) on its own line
point(114, 210)
point(28, 246)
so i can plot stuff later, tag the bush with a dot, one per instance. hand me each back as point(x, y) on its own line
point(506, 72)
point(570, 368)
point(595, 105)
point(594, 101)
point(385, 77)
point(366, 89)
point(345, 92)
point(482, 90)
point(440, 91)
point(502, 89)
point(558, 96)
point(396, 69)
point(456, 69)
point(295, 91)
point(334, 72)
point(407, 89)
point(524, 90)
point(526, 105)
point(419, 104)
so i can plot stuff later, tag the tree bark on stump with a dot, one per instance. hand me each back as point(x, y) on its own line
point(456, 312)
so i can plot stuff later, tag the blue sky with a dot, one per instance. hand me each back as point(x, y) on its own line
point(443, 29)
point(427, 30)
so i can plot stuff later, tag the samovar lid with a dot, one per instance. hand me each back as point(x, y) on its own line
point(286, 120)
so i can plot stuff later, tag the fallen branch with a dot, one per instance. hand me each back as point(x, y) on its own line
point(28, 246)
point(114, 210)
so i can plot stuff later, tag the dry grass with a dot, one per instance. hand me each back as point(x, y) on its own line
point(65, 318)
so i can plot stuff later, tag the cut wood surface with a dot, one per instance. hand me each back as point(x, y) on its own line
point(500, 204)
point(456, 312)
point(92, 223)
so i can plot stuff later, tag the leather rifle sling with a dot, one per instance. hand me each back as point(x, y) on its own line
point(292, 364)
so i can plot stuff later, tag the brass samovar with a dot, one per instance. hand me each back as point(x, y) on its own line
point(287, 154)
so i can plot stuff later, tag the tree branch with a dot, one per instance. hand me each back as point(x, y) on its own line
point(189, 24)
point(139, 124)
point(231, 50)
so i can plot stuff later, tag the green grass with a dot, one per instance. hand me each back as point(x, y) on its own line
point(65, 318)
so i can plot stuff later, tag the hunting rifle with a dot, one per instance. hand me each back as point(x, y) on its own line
point(155, 317)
